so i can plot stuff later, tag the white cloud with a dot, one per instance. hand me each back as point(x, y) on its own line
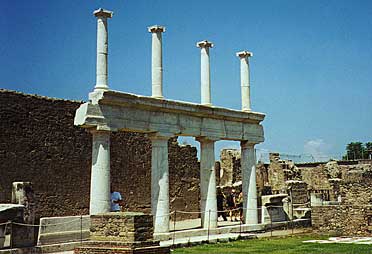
point(318, 149)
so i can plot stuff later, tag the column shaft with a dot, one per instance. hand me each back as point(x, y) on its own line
point(102, 48)
point(205, 77)
point(100, 175)
point(205, 80)
point(208, 198)
point(248, 167)
point(102, 52)
point(157, 65)
point(244, 79)
point(245, 88)
point(157, 61)
point(160, 184)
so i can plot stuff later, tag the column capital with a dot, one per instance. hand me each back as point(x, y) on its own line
point(99, 131)
point(244, 54)
point(156, 29)
point(247, 144)
point(159, 136)
point(103, 13)
point(206, 139)
point(204, 44)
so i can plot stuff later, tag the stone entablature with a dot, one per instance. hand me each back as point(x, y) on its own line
point(118, 111)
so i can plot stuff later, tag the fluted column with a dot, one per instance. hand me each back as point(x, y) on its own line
point(160, 183)
point(205, 79)
point(248, 168)
point(100, 175)
point(102, 48)
point(157, 61)
point(208, 197)
point(244, 79)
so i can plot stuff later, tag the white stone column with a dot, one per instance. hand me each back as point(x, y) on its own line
point(102, 48)
point(244, 79)
point(157, 61)
point(100, 175)
point(205, 79)
point(208, 197)
point(248, 167)
point(160, 183)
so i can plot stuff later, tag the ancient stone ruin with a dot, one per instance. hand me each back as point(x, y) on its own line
point(111, 111)
point(337, 193)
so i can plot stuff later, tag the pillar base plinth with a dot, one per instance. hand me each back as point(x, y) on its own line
point(121, 232)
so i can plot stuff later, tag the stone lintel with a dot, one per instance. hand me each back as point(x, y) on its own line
point(243, 54)
point(156, 29)
point(204, 44)
point(103, 13)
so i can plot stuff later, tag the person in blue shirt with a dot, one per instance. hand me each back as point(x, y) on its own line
point(116, 201)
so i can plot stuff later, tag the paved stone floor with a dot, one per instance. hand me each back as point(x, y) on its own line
point(355, 240)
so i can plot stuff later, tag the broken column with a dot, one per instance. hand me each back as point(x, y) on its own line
point(248, 167)
point(244, 79)
point(23, 194)
point(22, 234)
point(208, 197)
point(100, 175)
point(157, 61)
point(205, 72)
point(160, 183)
point(102, 48)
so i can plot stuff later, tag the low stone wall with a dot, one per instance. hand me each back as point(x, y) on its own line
point(54, 230)
point(342, 220)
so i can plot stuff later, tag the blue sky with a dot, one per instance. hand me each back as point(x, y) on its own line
point(310, 73)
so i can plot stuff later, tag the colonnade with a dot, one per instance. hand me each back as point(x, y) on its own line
point(100, 175)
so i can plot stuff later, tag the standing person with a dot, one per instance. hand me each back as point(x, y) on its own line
point(220, 199)
point(231, 203)
point(116, 201)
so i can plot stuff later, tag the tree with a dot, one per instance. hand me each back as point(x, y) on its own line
point(369, 150)
point(354, 151)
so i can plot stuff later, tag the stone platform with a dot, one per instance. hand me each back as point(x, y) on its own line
point(121, 232)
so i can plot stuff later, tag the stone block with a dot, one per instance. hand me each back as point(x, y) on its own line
point(121, 226)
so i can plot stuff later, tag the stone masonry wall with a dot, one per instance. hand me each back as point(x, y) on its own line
point(342, 220)
point(40, 144)
point(316, 178)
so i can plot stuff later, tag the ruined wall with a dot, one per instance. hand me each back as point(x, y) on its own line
point(342, 220)
point(316, 178)
point(354, 215)
point(228, 162)
point(40, 144)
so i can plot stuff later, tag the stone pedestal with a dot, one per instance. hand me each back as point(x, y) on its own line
point(121, 232)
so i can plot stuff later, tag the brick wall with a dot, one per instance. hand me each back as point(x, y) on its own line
point(40, 144)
